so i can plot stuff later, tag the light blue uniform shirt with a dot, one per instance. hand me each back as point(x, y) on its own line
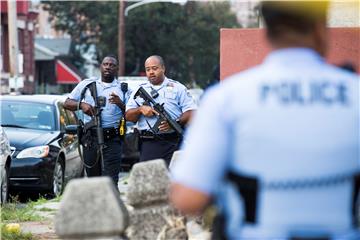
point(293, 118)
point(111, 113)
point(173, 94)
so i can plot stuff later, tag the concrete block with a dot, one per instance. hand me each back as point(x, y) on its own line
point(156, 222)
point(148, 183)
point(91, 208)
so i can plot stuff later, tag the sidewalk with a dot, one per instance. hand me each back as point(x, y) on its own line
point(45, 229)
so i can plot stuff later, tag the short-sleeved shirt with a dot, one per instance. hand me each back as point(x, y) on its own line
point(111, 113)
point(172, 94)
point(293, 119)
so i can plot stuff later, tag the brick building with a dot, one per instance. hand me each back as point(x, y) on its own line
point(25, 25)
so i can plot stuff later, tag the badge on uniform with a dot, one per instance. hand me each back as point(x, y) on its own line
point(169, 88)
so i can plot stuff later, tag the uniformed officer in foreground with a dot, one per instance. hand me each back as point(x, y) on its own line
point(108, 87)
point(157, 139)
point(283, 162)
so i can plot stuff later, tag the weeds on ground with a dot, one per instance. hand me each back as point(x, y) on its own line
point(57, 199)
point(14, 211)
point(6, 235)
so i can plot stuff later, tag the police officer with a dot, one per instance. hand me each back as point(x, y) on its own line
point(157, 138)
point(283, 162)
point(108, 87)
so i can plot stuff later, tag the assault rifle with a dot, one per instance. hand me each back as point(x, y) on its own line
point(96, 119)
point(160, 109)
point(84, 131)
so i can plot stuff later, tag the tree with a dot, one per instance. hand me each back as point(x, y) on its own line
point(186, 36)
point(86, 23)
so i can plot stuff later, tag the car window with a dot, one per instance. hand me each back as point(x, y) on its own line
point(27, 115)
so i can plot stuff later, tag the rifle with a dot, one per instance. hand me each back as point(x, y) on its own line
point(99, 103)
point(160, 109)
point(84, 130)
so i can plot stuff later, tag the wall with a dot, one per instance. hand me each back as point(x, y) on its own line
point(241, 49)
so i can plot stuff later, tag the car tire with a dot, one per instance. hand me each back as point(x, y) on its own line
point(5, 186)
point(58, 182)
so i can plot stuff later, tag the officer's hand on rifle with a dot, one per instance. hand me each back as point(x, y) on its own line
point(164, 126)
point(87, 108)
point(147, 111)
point(115, 99)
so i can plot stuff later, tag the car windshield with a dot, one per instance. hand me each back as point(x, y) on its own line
point(27, 115)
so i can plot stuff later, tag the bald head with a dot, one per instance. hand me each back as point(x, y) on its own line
point(157, 58)
point(155, 69)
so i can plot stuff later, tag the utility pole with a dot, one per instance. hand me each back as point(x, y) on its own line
point(121, 38)
point(13, 44)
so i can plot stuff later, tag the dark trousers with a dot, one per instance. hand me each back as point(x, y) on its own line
point(156, 148)
point(111, 157)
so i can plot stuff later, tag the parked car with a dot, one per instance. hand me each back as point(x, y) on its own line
point(5, 162)
point(45, 157)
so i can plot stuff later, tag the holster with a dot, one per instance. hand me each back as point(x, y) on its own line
point(88, 137)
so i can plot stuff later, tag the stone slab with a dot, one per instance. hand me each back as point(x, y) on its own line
point(148, 183)
point(91, 208)
point(156, 222)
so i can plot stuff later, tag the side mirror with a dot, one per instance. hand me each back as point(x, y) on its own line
point(71, 129)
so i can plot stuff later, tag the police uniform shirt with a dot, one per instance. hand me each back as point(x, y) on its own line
point(173, 94)
point(111, 113)
point(293, 120)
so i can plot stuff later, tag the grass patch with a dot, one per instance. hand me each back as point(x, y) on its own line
point(17, 212)
point(6, 235)
point(57, 199)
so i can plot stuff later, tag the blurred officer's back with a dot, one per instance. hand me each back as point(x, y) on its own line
point(277, 146)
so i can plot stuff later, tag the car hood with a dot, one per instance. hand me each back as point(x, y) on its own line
point(22, 138)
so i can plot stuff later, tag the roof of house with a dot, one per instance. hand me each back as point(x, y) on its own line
point(49, 48)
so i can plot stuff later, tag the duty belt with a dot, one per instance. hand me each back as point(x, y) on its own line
point(109, 133)
point(249, 187)
point(148, 135)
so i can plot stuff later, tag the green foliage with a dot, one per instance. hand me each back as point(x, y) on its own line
point(186, 36)
point(16, 212)
point(88, 23)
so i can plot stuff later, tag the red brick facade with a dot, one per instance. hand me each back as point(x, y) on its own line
point(26, 31)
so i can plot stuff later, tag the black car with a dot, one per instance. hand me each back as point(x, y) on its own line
point(44, 157)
